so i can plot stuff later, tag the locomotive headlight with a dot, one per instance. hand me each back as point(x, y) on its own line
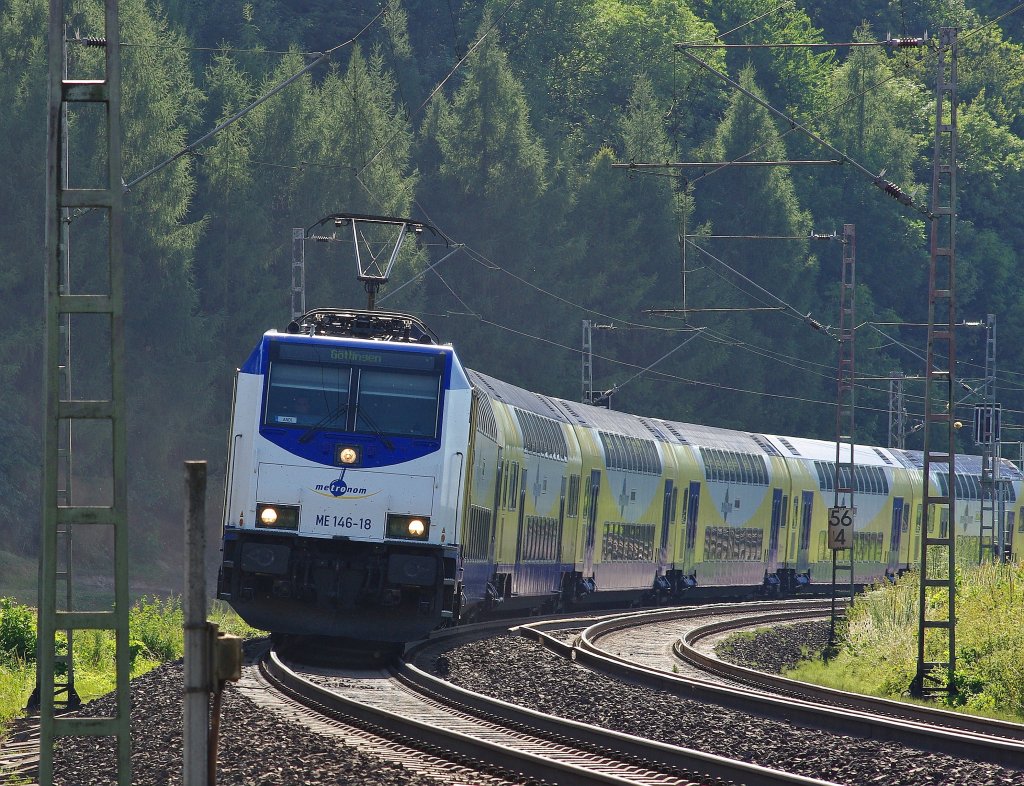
point(407, 527)
point(346, 455)
point(277, 516)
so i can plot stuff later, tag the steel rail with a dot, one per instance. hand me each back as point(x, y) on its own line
point(685, 649)
point(556, 750)
point(859, 723)
point(672, 757)
point(488, 752)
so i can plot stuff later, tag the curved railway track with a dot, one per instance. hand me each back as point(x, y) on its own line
point(436, 729)
point(454, 727)
point(688, 648)
point(658, 649)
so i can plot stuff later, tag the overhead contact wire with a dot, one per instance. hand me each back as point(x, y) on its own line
point(190, 148)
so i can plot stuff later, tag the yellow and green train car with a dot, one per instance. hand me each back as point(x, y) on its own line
point(568, 504)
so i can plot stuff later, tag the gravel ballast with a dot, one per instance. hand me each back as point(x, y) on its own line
point(520, 671)
point(256, 748)
point(776, 649)
point(259, 748)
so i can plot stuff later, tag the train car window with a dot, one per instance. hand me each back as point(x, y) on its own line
point(398, 402)
point(866, 480)
point(513, 486)
point(485, 422)
point(729, 466)
point(867, 546)
point(758, 470)
point(630, 453)
point(306, 395)
point(394, 401)
point(540, 539)
point(785, 510)
point(542, 435)
point(824, 481)
point(624, 542)
point(573, 501)
point(371, 391)
point(477, 542)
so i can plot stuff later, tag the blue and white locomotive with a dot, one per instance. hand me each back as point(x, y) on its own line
point(347, 457)
point(376, 490)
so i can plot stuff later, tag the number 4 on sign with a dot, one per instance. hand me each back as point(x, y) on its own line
point(840, 527)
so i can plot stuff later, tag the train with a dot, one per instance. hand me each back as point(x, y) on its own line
point(376, 490)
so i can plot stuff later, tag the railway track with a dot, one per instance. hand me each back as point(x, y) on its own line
point(19, 754)
point(510, 743)
point(696, 645)
point(660, 649)
point(435, 729)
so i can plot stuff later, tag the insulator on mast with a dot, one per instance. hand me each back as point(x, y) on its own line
point(894, 191)
point(906, 41)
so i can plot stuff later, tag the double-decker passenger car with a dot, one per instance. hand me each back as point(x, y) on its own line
point(377, 490)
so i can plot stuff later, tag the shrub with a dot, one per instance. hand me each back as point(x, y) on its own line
point(17, 632)
point(880, 644)
point(158, 626)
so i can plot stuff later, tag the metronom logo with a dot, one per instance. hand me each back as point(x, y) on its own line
point(339, 488)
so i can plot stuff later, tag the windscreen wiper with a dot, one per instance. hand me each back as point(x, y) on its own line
point(333, 415)
point(375, 428)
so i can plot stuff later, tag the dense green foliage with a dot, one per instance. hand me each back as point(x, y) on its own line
point(879, 650)
point(499, 123)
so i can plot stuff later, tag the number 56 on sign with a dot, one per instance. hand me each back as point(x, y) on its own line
point(840, 528)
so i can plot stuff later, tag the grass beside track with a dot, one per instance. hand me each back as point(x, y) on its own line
point(878, 651)
point(156, 636)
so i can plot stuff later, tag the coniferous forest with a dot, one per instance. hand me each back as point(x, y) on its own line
point(712, 291)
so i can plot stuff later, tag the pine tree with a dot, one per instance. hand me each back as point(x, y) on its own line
point(490, 193)
point(753, 201)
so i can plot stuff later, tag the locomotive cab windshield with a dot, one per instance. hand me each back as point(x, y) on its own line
point(313, 386)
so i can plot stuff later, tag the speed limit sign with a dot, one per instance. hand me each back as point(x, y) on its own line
point(840, 527)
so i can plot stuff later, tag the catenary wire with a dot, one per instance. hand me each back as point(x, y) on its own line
point(190, 148)
point(832, 110)
point(508, 7)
